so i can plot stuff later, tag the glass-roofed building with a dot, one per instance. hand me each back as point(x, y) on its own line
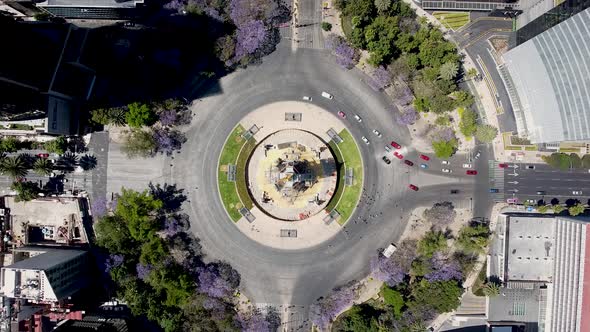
point(549, 79)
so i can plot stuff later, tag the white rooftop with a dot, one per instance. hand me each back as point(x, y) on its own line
point(530, 248)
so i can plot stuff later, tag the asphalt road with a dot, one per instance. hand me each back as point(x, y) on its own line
point(555, 183)
point(299, 277)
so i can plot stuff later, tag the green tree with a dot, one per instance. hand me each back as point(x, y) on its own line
point(364, 9)
point(586, 161)
point(393, 299)
point(380, 36)
point(153, 251)
point(138, 210)
point(558, 160)
point(491, 289)
point(576, 209)
point(112, 234)
point(542, 208)
point(442, 121)
point(25, 191)
point(431, 242)
point(558, 208)
point(58, 145)
point(100, 116)
point(443, 149)
point(140, 115)
point(449, 70)
point(359, 318)
point(15, 167)
point(463, 98)
point(471, 73)
point(326, 26)
point(575, 160)
point(139, 143)
point(9, 144)
point(473, 239)
point(43, 166)
point(486, 133)
point(443, 296)
point(468, 122)
point(382, 5)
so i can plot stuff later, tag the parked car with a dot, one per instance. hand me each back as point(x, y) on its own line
point(43, 155)
point(424, 157)
point(342, 114)
point(306, 98)
point(327, 95)
point(467, 165)
point(365, 140)
point(454, 191)
point(530, 166)
point(389, 250)
point(531, 202)
point(577, 193)
point(494, 190)
point(377, 133)
point(358, 118)
point(395, 145)
point(409, 163)
point(398, 155)
point(502, 165)
point(413, 187)
point(446, 170)
point(512, 200)
point(471, 172)
point(445, 162)
point(386, 160)
point(541, 192)
point(387, 148)
point(477, 155)
point(424, 166)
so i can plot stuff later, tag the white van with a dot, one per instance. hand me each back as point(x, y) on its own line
point(327, 95)
point(389, 250)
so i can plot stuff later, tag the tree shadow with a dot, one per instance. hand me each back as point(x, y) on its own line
point(171, 197)
point(571, 202)
point(554, 201)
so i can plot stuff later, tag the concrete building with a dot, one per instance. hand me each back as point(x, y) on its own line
point(543, 264)
point(93, 9)
point(44, 275)
point(547, 78)
point(471, 5)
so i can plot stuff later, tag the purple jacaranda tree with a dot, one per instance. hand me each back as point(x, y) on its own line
point(99, 207)
point(211, 282)
point(168, 117)
point(143, 270)
point(113, 261)
point(403, 94)
point(443, 268)
point(216, 307)
point(172, 226)
point(243, 11)
point(444, 134)
point(387, 270)
point(168, 141)
point(253, 322)
point(346, 56)
point(407, 117)
point(380, 78)
point(250, 37)
point(418, 314)
point(326, 309)
point(176, 5)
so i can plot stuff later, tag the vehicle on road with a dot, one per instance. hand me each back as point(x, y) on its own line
point(389, 250)
point(409, 163)
point(413, 187)
point(327, 95)
point(377, 133)
point(424, 157)
point(454, 191)
point(512, 200)
point(494, 190)
point(342, 114)
point(445, 162)
point(446, 170)
point(477, 155)
point(530, 166)
point(531, 201)
point(365, 140)
point(541, 192)
point(386, 160)
point(387, 148)
point(395, 145)
point(577, 193)
point(358, 118)
point(398, 155)
point(306, 98)
point(471, 172)
point(502, 165)
point(424, 166)
point(43, 155)
point(467, 165)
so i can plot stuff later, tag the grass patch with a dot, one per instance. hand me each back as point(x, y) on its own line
point(229, 155)
point(477, 287)
point(530, 148)
point(20, 126)
point(513, 147)
point(241, 185)
point(346, 22)
point(452, 20)
point(574, 150)
point(346, 201)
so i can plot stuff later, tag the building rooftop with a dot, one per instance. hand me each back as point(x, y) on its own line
point(92, 3)
point(518, 302)
point(530, 248)
point(47, 259)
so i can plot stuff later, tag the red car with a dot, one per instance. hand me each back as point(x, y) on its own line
point(398, 155)
point(471, 172)
point(424, 157)
point(342, 114)
point(395, 145)
point(413, 187)
point(43, 155)
point(502, 165)
point(409, 163)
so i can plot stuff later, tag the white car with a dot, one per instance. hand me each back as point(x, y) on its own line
point(358, 118)
point(466, 165)
point(365, 140)
point(477, 155)
point(389, 250)
point(306, 98)
point(531, 201)
point(445, 162)
point(577, 193)
point(327, 95)
point(446, 170)
point(387, 148)
point(377, 133)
